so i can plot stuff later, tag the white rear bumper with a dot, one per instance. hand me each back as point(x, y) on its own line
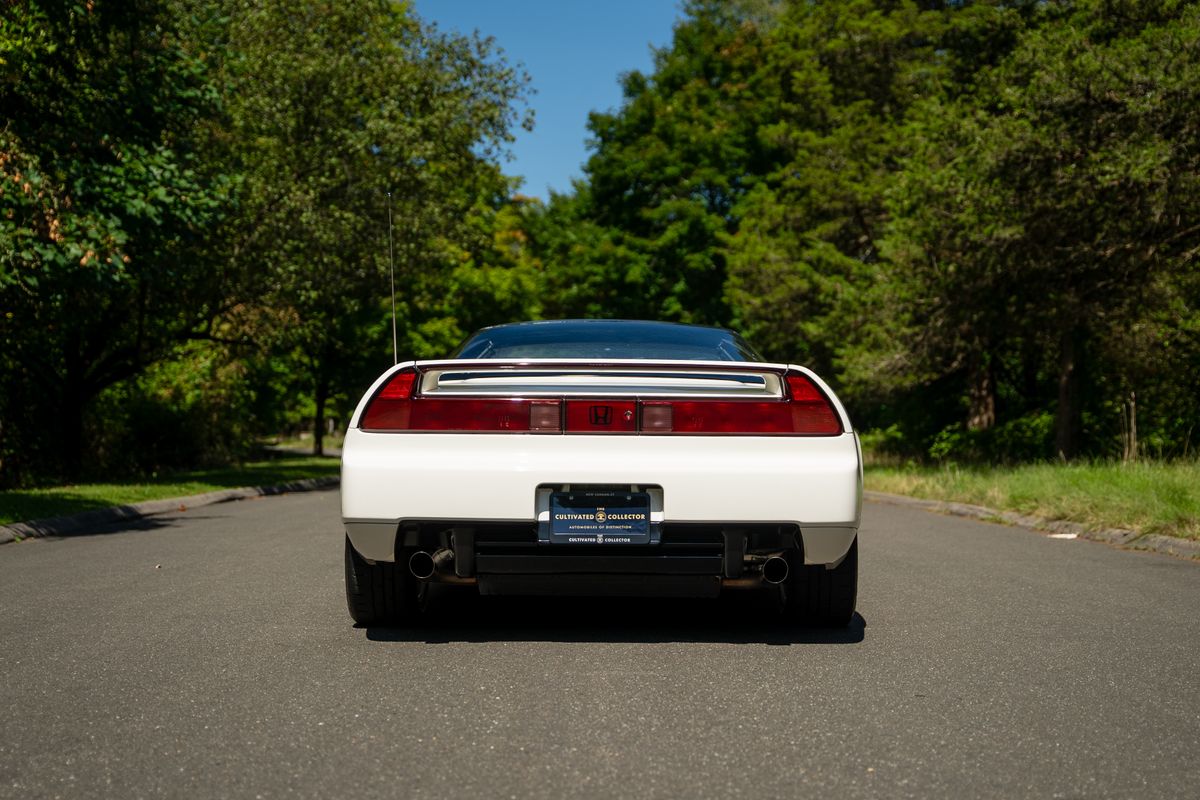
point(813, 482)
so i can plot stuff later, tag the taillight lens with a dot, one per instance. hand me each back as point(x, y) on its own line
point(805, 411)
point(394, 408)
point(812, 413)
point(709, 416)
point(391, 408)
point(461, 414)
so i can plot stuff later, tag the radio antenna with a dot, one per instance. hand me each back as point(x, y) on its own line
point(392, 281)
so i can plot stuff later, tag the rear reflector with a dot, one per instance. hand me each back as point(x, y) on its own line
point(805, 411)
point(657, 417)
point(545, 415)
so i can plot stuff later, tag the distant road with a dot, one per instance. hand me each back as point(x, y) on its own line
point(209, 654)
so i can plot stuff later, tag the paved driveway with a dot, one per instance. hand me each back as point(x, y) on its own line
point(209, 654)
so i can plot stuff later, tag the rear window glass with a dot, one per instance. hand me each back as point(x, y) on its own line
point(607, 339)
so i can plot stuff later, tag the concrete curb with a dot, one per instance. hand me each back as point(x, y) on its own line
point(74, 523)
point(1121, 537)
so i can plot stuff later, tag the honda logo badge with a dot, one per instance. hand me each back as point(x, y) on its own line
point(600, 415)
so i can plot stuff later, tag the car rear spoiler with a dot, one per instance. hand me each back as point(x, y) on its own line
point(644, 379)
point(559, 377)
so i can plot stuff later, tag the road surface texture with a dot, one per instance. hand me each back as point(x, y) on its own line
point(209, 654)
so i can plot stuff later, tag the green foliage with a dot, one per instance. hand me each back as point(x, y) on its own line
point(199, 407)
point(218, 171)
point(973, 217)
point(1027, 438)
point(101, 197)
point(977, 219)
point(670, 166)
point(333, 107)
point(1045, 217)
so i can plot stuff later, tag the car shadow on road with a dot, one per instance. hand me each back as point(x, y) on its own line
point(735, 619)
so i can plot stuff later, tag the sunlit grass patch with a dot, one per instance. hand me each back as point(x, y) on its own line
point(1146, 497)
point(20, 505)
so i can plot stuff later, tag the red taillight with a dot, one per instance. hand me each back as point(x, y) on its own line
point(463, 414)
point(715, 416)
point(812, 413)
point(805, 411)
point(394, 408)
point(391, 408)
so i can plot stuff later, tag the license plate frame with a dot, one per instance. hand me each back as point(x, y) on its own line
point(600, 517)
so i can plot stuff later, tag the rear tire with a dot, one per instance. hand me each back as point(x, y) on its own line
point(382, 593)
point(823, 597)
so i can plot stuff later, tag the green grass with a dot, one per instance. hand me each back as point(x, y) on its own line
point(19, 505)
point(305, 441)
point(1145, 497)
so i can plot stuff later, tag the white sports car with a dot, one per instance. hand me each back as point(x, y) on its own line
point(601, 457)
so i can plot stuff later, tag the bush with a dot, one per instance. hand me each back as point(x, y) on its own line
point(197, 410)
point(1027, 438)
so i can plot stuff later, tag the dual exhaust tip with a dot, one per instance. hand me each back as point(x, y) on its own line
point(775, 569)
point(424, 565)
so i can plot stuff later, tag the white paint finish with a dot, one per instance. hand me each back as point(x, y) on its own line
point(815, 482)
point(806, 480)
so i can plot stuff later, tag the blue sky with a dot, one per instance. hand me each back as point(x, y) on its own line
point(575, 51)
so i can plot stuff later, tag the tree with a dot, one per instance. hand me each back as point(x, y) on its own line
point(334, 106)
point(102, 199)
point(672, 162)
point(841, 80)
point(1054, 211)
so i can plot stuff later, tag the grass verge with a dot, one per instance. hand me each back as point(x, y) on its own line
point(20, 505)
point(1145, 497)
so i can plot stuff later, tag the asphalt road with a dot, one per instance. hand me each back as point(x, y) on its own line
point(209, 654)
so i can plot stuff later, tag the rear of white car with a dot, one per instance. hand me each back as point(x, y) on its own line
point(601, 476)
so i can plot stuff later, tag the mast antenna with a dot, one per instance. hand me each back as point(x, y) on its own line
point(392, 281)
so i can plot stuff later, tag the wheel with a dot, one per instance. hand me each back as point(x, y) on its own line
point(381, 593)
point(823, 597)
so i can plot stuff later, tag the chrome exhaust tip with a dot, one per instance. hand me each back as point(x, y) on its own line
point(775, 569)
point(421, 565)
point(438, 566)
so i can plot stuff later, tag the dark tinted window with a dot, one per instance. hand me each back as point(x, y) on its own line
point(607, 339)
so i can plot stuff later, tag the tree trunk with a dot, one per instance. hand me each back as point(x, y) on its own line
point(320, 396)
point(981, 413)
point(1066, 420)
point(71, 403)
point(70, 429)
point(1129, 426)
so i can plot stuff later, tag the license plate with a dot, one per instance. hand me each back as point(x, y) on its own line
point(600, 517)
